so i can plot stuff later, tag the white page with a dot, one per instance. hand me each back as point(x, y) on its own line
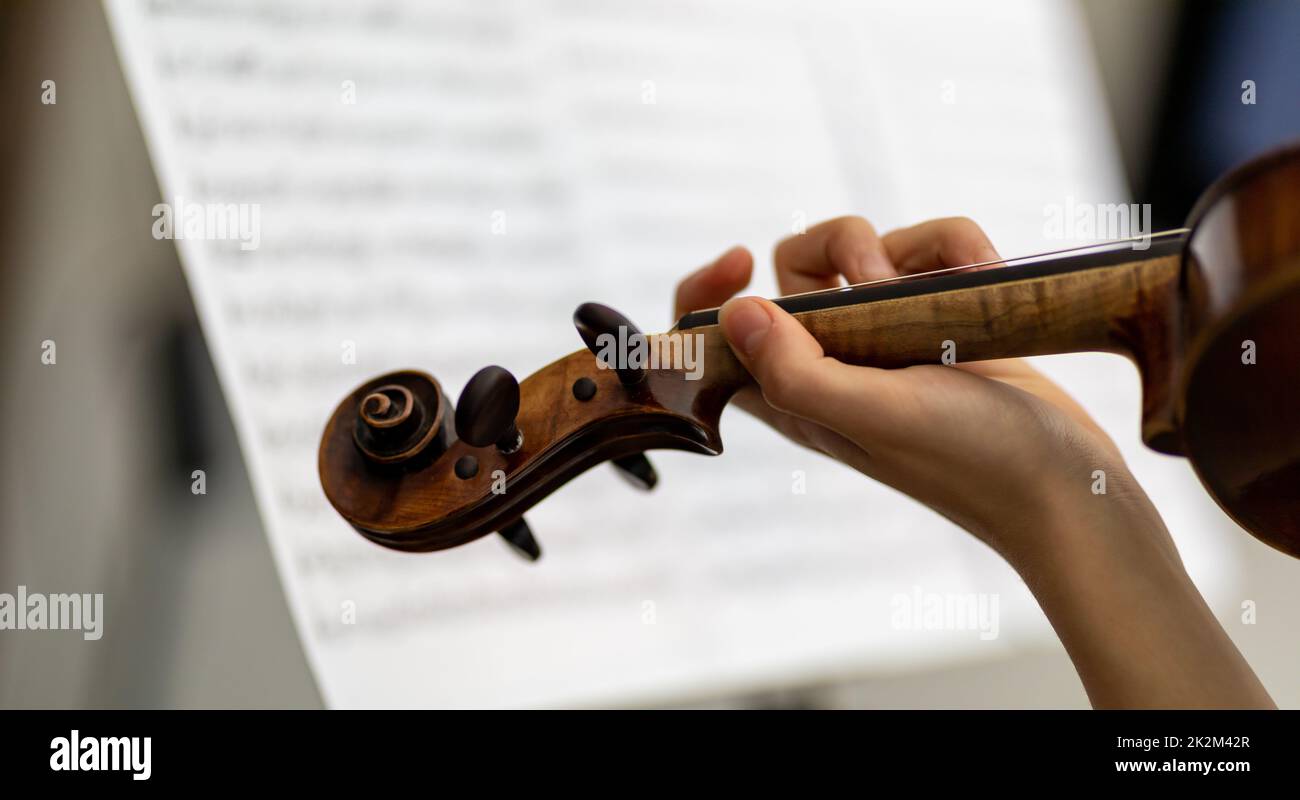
point(377, 231)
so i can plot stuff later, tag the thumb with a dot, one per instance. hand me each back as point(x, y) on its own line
point(796, 375)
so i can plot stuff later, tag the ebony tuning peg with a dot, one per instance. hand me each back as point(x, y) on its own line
point(521, 539)
point(594, 321)
point(485, 413)
point(637, 470)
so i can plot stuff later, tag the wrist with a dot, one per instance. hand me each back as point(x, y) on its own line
point(1095, 518)
point(1109, 579)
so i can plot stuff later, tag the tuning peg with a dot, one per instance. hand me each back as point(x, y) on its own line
point(637, 470)
point(485, 413)
point(521, 539)
point(593, 321)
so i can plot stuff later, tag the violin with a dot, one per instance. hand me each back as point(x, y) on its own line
point(1209, 314)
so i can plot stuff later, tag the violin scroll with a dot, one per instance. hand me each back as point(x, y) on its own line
point(507, 445)
point(399, 417)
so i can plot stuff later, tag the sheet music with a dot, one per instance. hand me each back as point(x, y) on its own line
point(504, 162)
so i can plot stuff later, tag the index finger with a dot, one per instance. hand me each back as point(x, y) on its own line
point(713, 284)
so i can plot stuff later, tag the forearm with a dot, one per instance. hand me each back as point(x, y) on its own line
point(1138, 631)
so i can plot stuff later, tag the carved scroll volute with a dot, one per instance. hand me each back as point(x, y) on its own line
point(573, 414)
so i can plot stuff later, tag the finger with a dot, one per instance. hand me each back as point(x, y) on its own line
point(713, 284)
point(810, 434)
point(797, 377)
point(949, 242)
point(815, 260)
point(750, 400)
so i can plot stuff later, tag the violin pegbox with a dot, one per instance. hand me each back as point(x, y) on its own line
point(410, 471)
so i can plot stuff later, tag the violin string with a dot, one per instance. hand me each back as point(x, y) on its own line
point(1005, 262)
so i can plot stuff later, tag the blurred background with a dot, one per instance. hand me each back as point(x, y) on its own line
point(94, 477)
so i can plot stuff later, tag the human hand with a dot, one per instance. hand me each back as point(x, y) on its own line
point(995, 446)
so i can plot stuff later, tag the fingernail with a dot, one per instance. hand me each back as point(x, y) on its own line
point(745, 322)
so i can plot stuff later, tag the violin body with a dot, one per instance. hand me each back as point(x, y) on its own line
point(1209, 314)
point(1239, 369)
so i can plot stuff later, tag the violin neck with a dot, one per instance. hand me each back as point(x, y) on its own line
point(1115, 299)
